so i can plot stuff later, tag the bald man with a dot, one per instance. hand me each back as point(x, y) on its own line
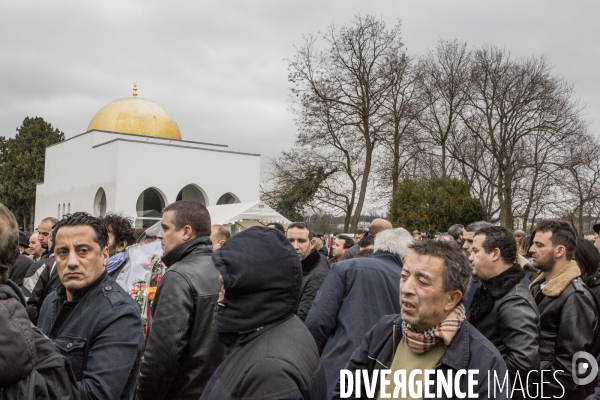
point(377, 225)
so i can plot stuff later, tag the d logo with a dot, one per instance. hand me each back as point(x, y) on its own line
point(580, 365)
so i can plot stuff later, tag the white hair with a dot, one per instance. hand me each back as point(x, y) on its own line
point(394, 241)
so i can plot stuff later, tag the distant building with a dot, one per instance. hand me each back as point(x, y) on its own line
point(132, 160)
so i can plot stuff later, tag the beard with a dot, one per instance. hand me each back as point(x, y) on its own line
point(545, 263)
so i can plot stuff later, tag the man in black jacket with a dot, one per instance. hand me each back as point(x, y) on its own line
point(569, 318)
point(182, 351)
point(430, 333)
point(94, 323)
point(270, 353)
point(314, 266)
point(503, 309)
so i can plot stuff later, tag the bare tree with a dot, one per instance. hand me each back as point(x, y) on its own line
point(348, 81)
point(510, 100)
point(402, 141)
point(444, 84)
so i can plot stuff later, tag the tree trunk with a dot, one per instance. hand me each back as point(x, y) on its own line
point(363, 189)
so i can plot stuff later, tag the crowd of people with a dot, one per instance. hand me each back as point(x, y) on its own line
point(275, 313)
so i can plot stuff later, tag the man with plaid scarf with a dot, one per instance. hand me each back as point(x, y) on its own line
point(430, 333)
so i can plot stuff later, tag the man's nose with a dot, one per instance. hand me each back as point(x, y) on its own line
point(72, 260)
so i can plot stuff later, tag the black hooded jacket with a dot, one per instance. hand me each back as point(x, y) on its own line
point(270, 353)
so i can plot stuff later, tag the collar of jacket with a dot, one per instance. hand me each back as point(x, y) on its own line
point(10, 290)
point(592, 280)
point(493, 289)
point(555, 286)
point(183, 250)
point(457, 352)
point(387, 255)
point(78, 295)
point(311, 261)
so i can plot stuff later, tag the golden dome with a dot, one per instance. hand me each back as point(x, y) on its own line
point(136, 116)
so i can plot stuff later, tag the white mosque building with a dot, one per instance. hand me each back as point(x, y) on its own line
point(132, 160)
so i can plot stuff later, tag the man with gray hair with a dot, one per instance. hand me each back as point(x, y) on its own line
point(353, 297)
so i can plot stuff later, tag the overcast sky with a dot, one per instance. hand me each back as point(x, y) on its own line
point(219, 67)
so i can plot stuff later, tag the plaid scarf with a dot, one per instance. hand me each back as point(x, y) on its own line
point(444, 331)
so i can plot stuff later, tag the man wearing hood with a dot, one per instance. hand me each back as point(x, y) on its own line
point(17, 353)
point(270, 353)
point(182, 351)
point(314, 266)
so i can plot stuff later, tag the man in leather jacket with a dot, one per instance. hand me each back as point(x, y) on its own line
point(503, 309)
point(314, 266)
point(568, 314)
point(182, 351)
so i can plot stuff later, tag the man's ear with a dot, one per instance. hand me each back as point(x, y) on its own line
point(453, 299)
point(496, 254)
point(122, 246)
point(105, 255)
point(560, 251)
point(188, 233)
point(312, 243)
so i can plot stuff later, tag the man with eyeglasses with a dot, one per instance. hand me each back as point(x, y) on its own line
point(41, 278)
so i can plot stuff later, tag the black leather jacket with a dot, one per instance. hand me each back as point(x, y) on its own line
point(100, 333)
point(512, 323)
point(569, 320)
point(182, 351)
point(314, 272)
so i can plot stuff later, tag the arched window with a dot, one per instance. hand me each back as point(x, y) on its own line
point(228, 198)
point(192, 192)
point(100, 203)
point(149, 207)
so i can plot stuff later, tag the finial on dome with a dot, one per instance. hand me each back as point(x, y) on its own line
point(134, 89)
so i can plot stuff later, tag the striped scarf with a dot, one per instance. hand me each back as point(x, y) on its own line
point(444, 332)
point(115, 261)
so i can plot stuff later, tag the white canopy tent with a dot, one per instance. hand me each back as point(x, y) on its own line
point(240, 216)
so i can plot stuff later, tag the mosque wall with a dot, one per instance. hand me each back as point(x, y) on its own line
point(123, 166)
point(73, 173)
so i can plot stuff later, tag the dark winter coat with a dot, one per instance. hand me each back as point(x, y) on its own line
point(182, 351)
point(41, 279)
point(568, 322)
point(17, 351)
point(270, 353)
point(354, 296)
point(19, 268)
point(100, 333)
point(468, 350)
point(504, 311)
point(314, 271)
